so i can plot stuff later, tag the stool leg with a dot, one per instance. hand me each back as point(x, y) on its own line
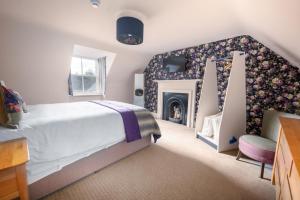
point(239, 155)
point(262, 170)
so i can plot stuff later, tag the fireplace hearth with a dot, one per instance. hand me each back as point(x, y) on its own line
point(175, 107)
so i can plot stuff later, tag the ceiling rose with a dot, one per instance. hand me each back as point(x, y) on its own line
point(95, 3)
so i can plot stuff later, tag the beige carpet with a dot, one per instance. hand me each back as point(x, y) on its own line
point(177, 167)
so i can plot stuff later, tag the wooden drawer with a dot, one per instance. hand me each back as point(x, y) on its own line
point(8, 184)
point(286, 153)
point(277, 181)
point(280, 164)
point(285, 190)
point(294, 180)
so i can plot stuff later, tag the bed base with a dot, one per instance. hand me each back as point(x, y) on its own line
point(84, 167)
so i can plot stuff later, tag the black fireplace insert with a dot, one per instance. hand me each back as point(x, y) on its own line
point(175, 107)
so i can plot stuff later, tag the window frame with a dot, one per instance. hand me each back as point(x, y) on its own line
point(82, 75)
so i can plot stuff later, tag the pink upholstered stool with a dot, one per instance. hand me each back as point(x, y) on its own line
point(258, 148)
point(263, 148)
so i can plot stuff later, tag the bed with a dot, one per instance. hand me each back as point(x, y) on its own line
point(68, 141)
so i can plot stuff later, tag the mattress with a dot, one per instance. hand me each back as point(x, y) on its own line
point(60, 134)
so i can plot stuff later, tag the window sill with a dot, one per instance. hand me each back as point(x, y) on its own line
point(86, 95)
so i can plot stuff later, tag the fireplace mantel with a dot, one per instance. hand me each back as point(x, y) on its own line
point(190, 82)
point(178, 86)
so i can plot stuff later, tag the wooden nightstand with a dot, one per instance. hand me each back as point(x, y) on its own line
point(13, 179)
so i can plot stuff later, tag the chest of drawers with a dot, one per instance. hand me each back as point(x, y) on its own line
point(286, 171)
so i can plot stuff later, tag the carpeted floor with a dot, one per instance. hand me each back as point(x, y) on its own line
point(178, 167)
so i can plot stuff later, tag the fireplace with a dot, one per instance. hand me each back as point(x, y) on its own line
point(185, 90)
point(175, 106)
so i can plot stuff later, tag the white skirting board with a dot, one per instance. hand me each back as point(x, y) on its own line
point(233, 123)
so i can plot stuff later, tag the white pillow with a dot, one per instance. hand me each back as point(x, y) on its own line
point(211, 125)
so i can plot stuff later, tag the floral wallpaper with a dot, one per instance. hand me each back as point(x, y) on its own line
point(272, 83)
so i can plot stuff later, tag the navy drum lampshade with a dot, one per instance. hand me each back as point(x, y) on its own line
point(130, 30)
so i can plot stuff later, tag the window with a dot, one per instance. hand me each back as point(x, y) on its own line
point(87, 76)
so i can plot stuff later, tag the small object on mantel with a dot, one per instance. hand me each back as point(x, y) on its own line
point(13, 179)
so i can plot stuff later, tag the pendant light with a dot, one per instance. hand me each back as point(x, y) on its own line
point(130, 30)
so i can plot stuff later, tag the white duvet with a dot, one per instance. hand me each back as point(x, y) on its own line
point(59, 134)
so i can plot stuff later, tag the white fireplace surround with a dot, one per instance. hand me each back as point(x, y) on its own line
point(178, 86)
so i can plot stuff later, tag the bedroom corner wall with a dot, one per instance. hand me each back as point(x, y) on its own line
point(35, 61)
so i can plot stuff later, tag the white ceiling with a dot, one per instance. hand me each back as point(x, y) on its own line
point(170, 24)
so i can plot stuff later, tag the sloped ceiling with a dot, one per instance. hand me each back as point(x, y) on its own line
point(170, 24)
point(276, 23)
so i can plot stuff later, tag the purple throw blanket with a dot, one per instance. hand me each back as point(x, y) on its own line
point(130, 121)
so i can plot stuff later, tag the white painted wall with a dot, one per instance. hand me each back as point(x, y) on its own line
point(35, 61)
